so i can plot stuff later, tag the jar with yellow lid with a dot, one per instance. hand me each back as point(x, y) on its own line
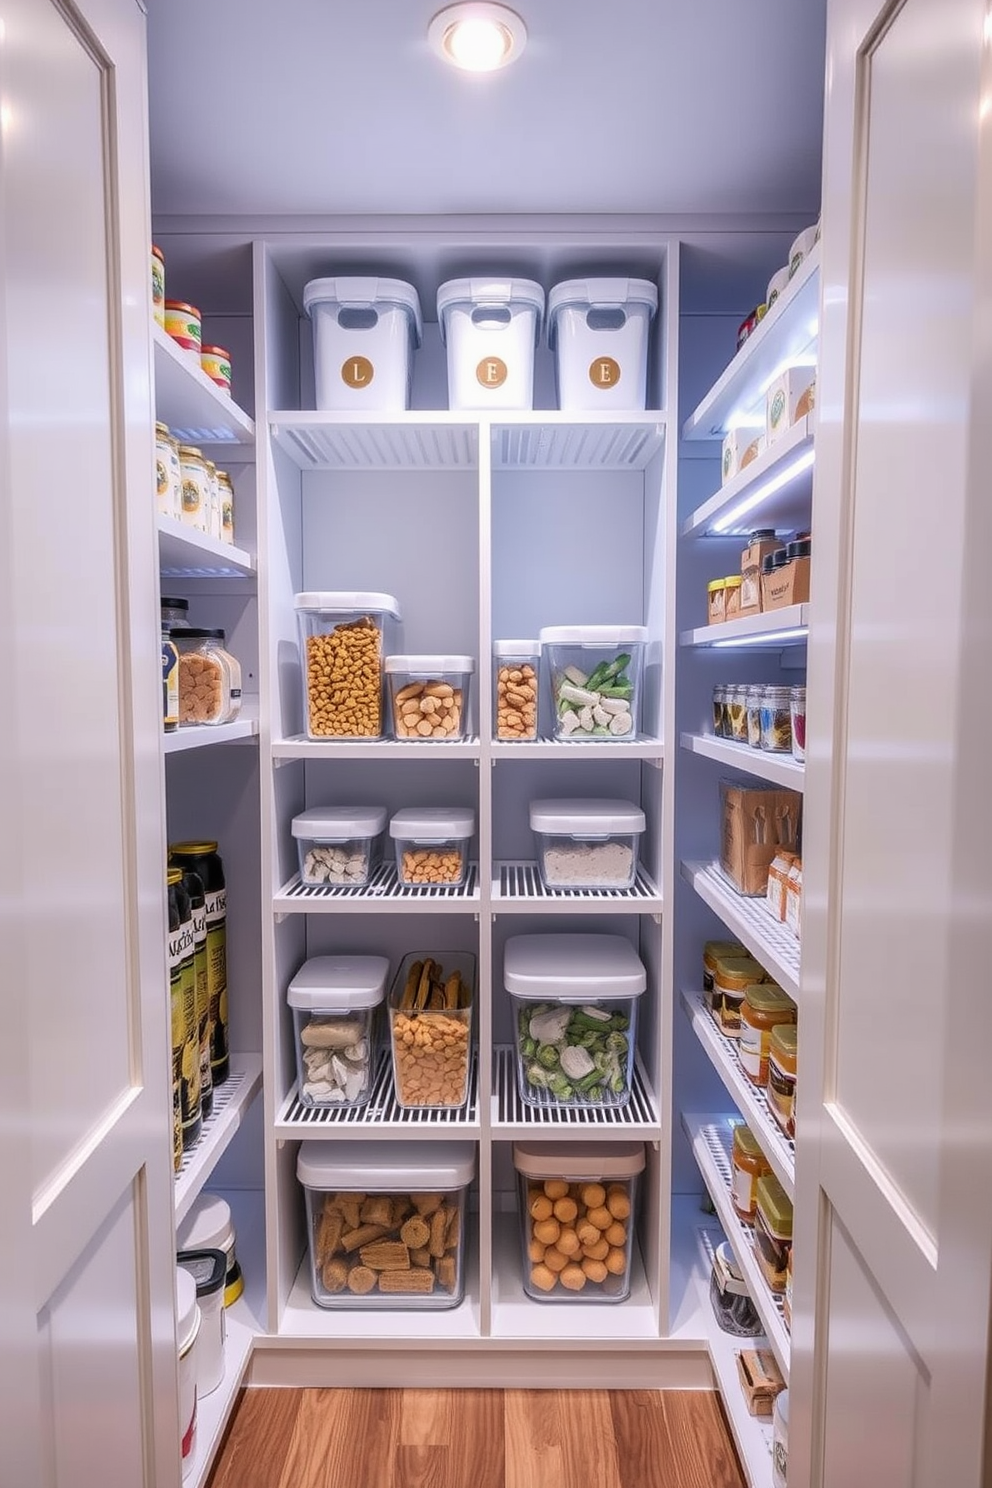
point(773, 1231)
point(711, 950)
point(716, 601)
point(168, 482)
point(748, 1165)
point(195, 486)
point(764, 1007)
point(780, 1089)
point(732, 596)
point(732, 976)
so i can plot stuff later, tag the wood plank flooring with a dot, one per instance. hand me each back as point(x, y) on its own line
point(477, 1439)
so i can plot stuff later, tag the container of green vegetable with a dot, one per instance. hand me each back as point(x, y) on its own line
point(575, 1014)
point(595, 674)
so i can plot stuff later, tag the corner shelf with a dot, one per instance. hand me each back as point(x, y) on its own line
point(769, 942)
point(377, 441)
point(203, 735)
point(195, 409)
point(231, 1101)
point(185, 553)
point(513, 1120)
point(775, 490)
point(768, 630)
point(780, 769)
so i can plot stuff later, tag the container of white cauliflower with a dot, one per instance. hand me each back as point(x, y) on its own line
point(334, 1001)
point(595, 673)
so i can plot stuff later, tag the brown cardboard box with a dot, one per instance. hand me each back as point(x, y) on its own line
point(751, 572)
point(788, 585)
point(760, 1380)
point(758, 823)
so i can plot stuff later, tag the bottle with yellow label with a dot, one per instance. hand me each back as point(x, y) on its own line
point(204, 859)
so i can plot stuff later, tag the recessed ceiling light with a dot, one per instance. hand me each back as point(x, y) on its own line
point(477, 36)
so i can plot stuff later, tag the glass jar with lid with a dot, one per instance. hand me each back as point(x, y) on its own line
point(755, 693)
point(797, 705)
point(780, 1090)
point(748, 1166)
point(763, 1008)
point(209, 677)
point(737, 708)
point(719, 694)
point(175, 611)
point(168, 482)
point(225, 486)
point(776, 720)
point(212, 526)
point(195, 486)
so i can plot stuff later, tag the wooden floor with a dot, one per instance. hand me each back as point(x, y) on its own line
point(477, 1439)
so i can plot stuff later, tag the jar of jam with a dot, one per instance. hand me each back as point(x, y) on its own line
point(731, 979)
point(749, 1166)
point(773, 1231)
point(781, 1087)
point(764, 1008)
point(797, 706)
point(711, 950)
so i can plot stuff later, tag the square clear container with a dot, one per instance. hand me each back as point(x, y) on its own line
point(575, 1017)
point(578, 1202)
point(587, 844)
point(386, 1222)
point(334, 1001)
point(595, 676)
point(432, 845)
point(339, 845)
point(430, 1024)
point(429, 697)
point(344, 636)
point(516, 690)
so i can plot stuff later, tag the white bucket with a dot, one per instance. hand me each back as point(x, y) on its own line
point(364, 334)
point(490, 328)
point(208, 1226)
point(598, 329)
point(208, 1269)
point(188, 1314)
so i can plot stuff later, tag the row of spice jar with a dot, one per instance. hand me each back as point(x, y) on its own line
point(189, 487)
point(762, 716)
point(201, 679)
point(760, 1018)
point(183, 323)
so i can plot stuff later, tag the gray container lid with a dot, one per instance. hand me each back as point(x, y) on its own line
point(339, 983)
point(386, 1167)
point(573, 967)
point(367, 291)
point(595, 818)
point(339, 823)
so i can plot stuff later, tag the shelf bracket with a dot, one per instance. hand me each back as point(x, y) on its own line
point(280, 916)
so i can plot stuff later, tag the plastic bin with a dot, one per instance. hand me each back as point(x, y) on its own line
point(344, 636)
point(430, 1020)
point(575, 1009)
point(334, 999)
point(386, 1222)
point(338, 845)
point(429, 696)
point(365, 331)
point(432, 844)
point(587, 844)
point(578, 1201)
point(516, 690)
point(491, 328)
point(598, 330)
point(595, 673)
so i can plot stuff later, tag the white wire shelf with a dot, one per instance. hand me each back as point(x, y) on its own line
point(577, 441)
point(769, 630)
point(518, 888)
point(204, 735)
point(195, 409)
point(775, 490)
point(711, 1137)
point(231, 1101)
point(749, 1099)
point(378, 441)
point(513, 1118)
point(299, 747)
point(185, 553)
point(770, 942)
point(383, 892)
point(781, 769)
point(613, 749)
point(383, 1116)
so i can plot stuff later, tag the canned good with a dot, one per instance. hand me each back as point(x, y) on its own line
point(182, 323)
point(195, 487)
point(204, 859)
point(216, 363)
point(193, 884)
point(168, 480)
point(182, 997)
point(158, 285)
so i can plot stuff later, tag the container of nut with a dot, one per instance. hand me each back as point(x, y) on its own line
point(429, 697)
point(209, 677)
point(344, 638)
point(516, 670)
point(432, 844)
point(430, 1022)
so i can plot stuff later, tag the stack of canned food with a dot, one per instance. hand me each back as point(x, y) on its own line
point(762, 716)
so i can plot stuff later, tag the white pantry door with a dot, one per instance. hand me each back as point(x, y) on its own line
point(87, 1334)
point(894, 1214)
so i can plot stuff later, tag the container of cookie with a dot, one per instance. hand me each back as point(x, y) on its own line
point(334, 1001)
point(430, 1022)
point(338, 845)
point(432, 844)
point(386, 1222)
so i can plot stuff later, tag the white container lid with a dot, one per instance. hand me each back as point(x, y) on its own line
point(593, 635)
point(605, 293)
point(188, 1314)
point(432, 823)
point(340, 601)
point(386, 1167)
point(365, 291)
point(516, 648)
point(207, 1226)
point(429, 666)
point(499, 293)
point(595, 818)
point(339, 823)
point(578, 1159)
point(331, 983)
point(573, 967)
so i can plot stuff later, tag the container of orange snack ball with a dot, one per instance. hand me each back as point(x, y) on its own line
point(577, 1207)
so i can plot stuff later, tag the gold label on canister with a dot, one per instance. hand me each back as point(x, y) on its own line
point(357, 372)
point(491, 372)
point(604, 372)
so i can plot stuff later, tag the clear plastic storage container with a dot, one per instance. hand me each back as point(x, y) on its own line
point(490, 328)
point(516, 694)
point(598, 330)
point(365, 331)
point(575, 1006)
point(339, 845)
point(587, 844)
point(578, 1201)
point(595, 673)
point(429, 696)
point(386, 1222)
point(432, 844)
point(334, 999)
point(209, 677)
point(430, 1020)
point(344, 636)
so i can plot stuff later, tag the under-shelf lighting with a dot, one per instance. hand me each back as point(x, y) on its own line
point(477, 36)
point(796, 634)
point(766, 489)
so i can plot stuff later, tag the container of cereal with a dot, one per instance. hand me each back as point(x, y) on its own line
point(587, 844)
point(598, 330)
point(365, 331)
point(595, 673)
point(490, 328)
point(575, 1011)
point(344, 636)
point(430, 1019)
point(386, 1222)
point(516, 670)
point(429, 696)
point(432, 844)
point(334, 1001)
point(209, 677)
point(338, 845)
point(577, 1206)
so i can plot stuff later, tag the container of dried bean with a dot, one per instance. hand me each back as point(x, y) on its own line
point(587, 844)
point(430, 1018)
point(339, 845)
point(386, 1222)
point(429, 697)
point(209, 677)
point(334, 1001)
point(516, 674)
point(344, 637)
point(432, 844)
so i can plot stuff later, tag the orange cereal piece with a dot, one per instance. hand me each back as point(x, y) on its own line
point(616, 1262)
point(587, 1233)
point(616, 1234)
point(569, 1243)
point(595, 1270)
point(618, 1202)
point(597, 1252)
point(543, 1279)
point(554, 1260)
point(600, 1217)
point(541, 1208)
point(535, 1252)
point(566, 1210)
point(574, 1278)
point(593, 1195)
point(547, 1231)
point(555, 1188)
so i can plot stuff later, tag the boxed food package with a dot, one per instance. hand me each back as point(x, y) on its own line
point(794, 899)
point(788, 583)
point(790, 397)
point(758, 822)
point(740, 447)
point(778, 878)
point(759, 545)
point(761, 1380)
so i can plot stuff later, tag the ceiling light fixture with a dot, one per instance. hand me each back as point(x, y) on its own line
point(477, 36)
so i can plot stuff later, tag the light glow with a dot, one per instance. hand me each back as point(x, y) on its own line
point(766, 489)
point(766, 637)
point(802, 359)
point(477, 37)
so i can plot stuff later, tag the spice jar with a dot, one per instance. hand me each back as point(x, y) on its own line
point(225, 486)
point(516, 673)
point(204, 859)
point(175, 612)
point(772, 1230)
point(195, 487)
point(764, 1008)
point(780, 1089)
point(168, 481)
point(776, 720)
point(737, 708)
point(731, 979)
point(182, 323)
point(797, 709)
point(755, 694)
point(158, 285)
point(209, 677)
point(749, 1166)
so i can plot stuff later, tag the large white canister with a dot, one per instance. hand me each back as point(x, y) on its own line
point(209, 1226)
point(598, 330)
point(365, 331)
point(490, 328)
point(208, 1269)
point(188, 1319)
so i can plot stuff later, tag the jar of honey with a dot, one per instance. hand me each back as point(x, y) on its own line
point(732, 976)
point(763, 1008)
point(781, 1087)
point(749, 1165)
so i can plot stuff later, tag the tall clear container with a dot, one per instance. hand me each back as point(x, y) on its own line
point(344, 639)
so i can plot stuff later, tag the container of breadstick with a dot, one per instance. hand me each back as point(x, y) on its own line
point(430, 1019)
point(386, 1222)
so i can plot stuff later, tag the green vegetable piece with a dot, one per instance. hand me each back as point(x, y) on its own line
point(617, 1042)
point(537, 1077)
point(590, 1081)
point(597, 677)
point(548, 1057)
point(620, 1021)
point(622, 690)
point(528, 1047)
point(560, 1087)
point(618, 1084)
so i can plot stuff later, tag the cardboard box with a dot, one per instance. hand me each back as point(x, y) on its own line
point(758, 823)
point(732, 597)
point(716, 602)
point(751, 557)
point(789, 398)
point(788, 585)
point(740, 447)
point(760, 1380)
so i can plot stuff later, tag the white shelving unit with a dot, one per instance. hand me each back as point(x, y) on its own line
point(769, 942)
point(231, 1101)
point(780, 769)
point(184, 552)
point(204, 735)
point(195, 409)
point(775, 629)
point(773, 491)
